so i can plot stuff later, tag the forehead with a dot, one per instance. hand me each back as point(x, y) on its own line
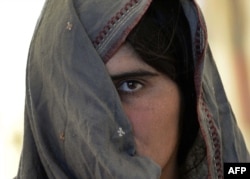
point(126, 59)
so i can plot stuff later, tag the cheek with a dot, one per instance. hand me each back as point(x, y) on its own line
point(153, 112)
point(156, 117)
point(155, 121)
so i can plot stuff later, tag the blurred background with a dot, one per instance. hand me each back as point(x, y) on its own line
point(228, 23)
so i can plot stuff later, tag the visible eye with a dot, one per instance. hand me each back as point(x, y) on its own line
point(130, 86)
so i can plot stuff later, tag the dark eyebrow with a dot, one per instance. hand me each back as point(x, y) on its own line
point(139, 73)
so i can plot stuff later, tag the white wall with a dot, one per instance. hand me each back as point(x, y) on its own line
point(17, 22)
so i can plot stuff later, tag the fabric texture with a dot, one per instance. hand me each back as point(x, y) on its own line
point(74, 123)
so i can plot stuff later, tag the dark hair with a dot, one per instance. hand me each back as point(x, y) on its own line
point(163, 40)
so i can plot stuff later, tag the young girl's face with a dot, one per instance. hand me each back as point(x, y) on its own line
point(151, 102)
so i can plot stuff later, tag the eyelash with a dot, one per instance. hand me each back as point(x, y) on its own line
point(127, 89)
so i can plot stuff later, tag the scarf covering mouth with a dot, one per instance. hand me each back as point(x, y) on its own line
point(75, 126)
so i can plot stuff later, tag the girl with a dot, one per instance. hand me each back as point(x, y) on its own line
point(125, 89)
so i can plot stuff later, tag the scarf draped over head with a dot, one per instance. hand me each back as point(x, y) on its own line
point(74, 123)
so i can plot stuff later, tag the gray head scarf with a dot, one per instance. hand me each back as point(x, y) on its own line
point(74, 123)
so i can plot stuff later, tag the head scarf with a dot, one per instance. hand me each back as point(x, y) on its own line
point(74, 123)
